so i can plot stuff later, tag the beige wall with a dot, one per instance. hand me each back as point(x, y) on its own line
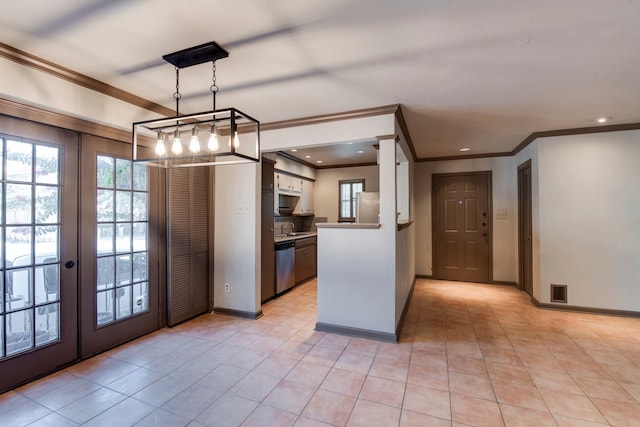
point(325, 200)
point(588, 206)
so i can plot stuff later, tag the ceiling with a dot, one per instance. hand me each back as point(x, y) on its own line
point(482, 74)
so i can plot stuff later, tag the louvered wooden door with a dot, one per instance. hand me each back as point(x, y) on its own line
point(188, 243)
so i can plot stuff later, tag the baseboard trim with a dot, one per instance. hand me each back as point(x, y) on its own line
point(501, 283)
point(590, 310)
point(356, 332)
point(404, 311)
point(423, 276)
point(238, 313)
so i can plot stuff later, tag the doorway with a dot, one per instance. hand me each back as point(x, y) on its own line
point(80, 248)
point(525, 230)
point(462, 227)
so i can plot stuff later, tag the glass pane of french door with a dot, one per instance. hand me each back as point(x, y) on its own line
point(122, 248)
point(38, 250)
point(120, 243)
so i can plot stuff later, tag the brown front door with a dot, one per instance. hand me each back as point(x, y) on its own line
point(524, 227)
point(462, 227)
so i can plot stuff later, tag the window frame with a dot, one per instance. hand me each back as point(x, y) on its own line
point(351, 182)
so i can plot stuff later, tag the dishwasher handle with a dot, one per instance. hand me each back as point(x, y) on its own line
point(285, 245)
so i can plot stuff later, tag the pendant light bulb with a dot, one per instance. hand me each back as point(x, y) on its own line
point(236, 140)
point(161, 150)
point(213, 144)
point(194, 144)
point(176, 147)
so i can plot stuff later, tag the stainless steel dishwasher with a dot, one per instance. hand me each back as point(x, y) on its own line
point(285, 266)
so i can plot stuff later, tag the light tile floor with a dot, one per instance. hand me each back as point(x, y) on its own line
point(470, 354)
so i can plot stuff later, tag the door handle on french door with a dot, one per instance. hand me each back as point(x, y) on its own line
point(69, 264)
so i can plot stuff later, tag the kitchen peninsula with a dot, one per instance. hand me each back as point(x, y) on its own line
point(366, 270)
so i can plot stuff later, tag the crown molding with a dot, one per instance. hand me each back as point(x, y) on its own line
point(39, 115)
point(573, 131)
point(333, 117)
point(463, 157)
point(35, 62)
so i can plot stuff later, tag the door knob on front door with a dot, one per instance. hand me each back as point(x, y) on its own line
point(69, 264)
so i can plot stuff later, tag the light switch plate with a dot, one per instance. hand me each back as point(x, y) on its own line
point(242, 210)
point(501, 214)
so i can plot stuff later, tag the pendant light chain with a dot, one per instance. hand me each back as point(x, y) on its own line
point(214, 87)
point(177, 95)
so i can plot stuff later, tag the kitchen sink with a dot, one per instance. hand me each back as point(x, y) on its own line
point(295, 233)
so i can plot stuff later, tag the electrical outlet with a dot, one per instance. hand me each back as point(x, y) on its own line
point(226, 287)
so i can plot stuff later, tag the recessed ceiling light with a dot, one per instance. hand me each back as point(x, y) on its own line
point(294, 149)
point(318, 161)
point(601, 120)
point(360, 151)
point(465, 149)
point(307, 156)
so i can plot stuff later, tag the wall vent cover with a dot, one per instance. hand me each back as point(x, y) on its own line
point(559, 293)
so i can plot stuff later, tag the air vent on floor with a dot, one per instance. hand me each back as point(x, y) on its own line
point(559, 293)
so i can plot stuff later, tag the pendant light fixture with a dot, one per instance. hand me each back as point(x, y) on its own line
point(232, 136)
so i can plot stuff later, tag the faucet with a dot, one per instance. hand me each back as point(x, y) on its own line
point(292, 227)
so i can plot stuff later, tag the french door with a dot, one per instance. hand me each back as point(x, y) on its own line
point(38, 251)
point(80, 242)
point(120, 217)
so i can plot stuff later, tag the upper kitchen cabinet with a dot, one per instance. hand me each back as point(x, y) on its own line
point(288, 184)
point(305, 204)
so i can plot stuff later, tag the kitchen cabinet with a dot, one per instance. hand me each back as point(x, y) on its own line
point(288, 184)
point(305, 203)
point(305, 259)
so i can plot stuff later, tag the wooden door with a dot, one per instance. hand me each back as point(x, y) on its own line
point(462, 227)
point(525, 237)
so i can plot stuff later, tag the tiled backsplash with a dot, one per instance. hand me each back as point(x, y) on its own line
point(302, 223)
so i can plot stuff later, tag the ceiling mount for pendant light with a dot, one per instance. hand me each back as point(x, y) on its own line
point(238, 132)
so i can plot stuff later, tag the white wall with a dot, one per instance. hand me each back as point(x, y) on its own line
point(325, 198)
point(37, 88)
point(237, 237)
point(327, 133)
point(589, 207)
point(504, 190)
point(405, 268)
point(356, 277)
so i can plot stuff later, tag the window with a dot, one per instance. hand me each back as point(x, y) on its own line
point(348, 191)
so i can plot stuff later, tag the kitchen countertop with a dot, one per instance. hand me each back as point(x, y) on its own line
point(302, 235)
